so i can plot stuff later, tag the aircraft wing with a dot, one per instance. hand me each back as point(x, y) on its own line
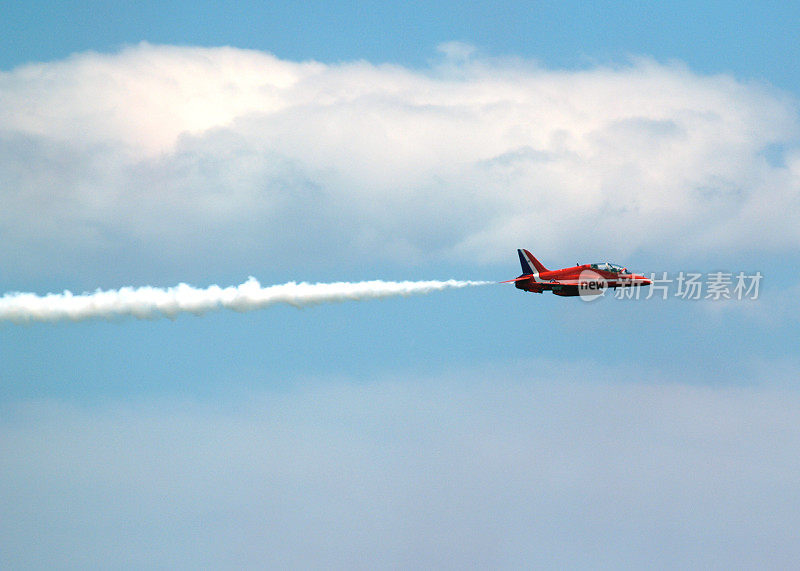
point(543, 284)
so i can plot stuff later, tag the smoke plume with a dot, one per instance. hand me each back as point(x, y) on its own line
point(152, 303)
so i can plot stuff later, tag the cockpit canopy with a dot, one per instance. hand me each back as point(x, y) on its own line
point(609, 267)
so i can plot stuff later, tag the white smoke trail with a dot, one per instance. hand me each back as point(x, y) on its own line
point(151, 303)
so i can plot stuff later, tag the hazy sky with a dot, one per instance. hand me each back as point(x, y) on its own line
point(481, 427)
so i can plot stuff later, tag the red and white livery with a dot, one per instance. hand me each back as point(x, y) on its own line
point(586, 279)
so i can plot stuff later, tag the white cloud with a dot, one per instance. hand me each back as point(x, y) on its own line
point(472, 470)
point(164, 150)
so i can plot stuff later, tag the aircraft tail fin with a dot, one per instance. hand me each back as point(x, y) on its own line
point(530, 265)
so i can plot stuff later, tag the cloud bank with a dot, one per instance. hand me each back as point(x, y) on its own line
point(501, 470)
point(160, 151)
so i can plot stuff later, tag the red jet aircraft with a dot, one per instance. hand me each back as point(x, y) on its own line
point(588, 279)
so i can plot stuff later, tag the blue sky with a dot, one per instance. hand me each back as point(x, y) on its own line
point(352, 141)
point(750, 41)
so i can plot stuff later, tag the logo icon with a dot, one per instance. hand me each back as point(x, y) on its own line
point(591, 285)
